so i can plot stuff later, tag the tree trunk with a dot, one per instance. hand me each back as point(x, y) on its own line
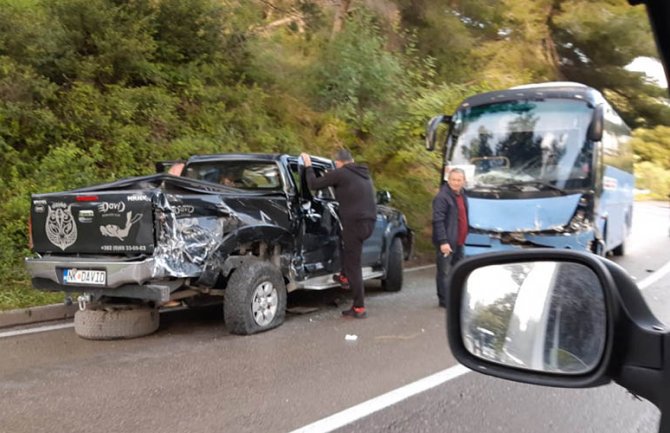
point(548, 44)
point(340, 16)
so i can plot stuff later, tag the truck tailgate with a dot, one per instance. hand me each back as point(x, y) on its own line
point(110, 222)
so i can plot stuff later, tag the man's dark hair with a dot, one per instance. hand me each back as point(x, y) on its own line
point(343, 155)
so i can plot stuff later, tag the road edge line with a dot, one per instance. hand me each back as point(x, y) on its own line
point(354, 413)
point(419, 268)
point(35, 330)
point(653, 278)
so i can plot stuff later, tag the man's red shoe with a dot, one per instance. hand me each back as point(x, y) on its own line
point(342, 279)
point(355, 313)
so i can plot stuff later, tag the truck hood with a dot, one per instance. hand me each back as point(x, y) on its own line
point(522, 215)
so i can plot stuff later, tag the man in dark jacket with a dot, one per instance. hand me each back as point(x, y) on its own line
point(450, 228)
point(358, 212)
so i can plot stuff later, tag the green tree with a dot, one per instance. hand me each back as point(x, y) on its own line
point(357, 77)
point(652, 161)
point(595, 41)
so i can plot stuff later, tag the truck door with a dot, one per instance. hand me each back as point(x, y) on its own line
point(320, 231)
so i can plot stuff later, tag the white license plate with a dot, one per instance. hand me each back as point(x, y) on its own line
point(84, 276)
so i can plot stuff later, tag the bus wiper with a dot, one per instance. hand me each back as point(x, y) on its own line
point(540, 183)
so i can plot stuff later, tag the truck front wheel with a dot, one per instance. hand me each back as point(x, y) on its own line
point(394, 273)
point(255, 298)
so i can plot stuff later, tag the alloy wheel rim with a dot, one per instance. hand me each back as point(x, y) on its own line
point(264, 303)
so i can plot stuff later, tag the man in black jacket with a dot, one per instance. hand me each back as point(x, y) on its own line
point(450, 228)
point(358, 212)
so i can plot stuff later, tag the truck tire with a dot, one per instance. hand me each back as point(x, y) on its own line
point(620, 250)
point(255, 298)
point(393, 280)
point(115, 322)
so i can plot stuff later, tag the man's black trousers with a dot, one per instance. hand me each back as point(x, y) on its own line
point(354, 233)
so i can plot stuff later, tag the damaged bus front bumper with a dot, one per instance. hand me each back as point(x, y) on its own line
point(481, 242)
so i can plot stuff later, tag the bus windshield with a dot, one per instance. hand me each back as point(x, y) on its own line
point(525, 146)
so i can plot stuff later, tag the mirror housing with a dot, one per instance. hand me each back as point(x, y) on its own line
point(431, 129)
point(597, 125)
point(546, 316)
point(633, 353)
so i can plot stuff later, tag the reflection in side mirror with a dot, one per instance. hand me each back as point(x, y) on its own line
point(383, 197)
point(542, 316)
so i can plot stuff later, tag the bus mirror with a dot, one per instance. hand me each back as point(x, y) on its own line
point(597, 124)
point(431, 129)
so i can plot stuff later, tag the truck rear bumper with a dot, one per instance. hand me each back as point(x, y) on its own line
point(118, 273)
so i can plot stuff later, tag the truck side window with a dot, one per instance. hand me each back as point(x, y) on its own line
point(294, 171)
point(326, 193)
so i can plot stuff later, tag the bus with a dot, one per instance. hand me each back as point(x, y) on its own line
point(547, 165)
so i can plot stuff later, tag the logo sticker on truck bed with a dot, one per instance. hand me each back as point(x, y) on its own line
point(114, 231)
point(60, 227)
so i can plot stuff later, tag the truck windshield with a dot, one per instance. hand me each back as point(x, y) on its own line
point(247, 175)
point(538, 145)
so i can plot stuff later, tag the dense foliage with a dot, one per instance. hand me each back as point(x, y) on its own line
point(95, 90)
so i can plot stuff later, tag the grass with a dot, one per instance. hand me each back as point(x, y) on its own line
point(21, 294)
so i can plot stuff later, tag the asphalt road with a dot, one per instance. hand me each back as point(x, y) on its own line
point(193, 376)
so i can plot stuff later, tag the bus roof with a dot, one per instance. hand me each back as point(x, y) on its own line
point(537, 91)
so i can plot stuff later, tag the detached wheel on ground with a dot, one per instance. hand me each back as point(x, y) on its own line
point(393, 280)
point(255, 298)
point(115, 322)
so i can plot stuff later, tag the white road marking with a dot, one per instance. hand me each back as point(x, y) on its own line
point(657, 275)
point(419, 268)
point(383, 401)
point(36, 330)
point(70, 324)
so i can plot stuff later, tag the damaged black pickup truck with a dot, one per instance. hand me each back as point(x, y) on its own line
point(244, 227)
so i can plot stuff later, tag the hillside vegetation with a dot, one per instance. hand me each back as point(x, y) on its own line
point(95, 90)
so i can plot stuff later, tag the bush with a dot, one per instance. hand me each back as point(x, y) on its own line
point(653, 177)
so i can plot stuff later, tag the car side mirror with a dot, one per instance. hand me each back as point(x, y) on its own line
point(383, 197)
point(559, 318)
point(545, 316)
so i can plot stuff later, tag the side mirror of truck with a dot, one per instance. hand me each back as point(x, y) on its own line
point(557, 318)
point(383, 197)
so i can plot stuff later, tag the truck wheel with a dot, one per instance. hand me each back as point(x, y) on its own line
point(255, 298)
point(393, 280)
point(620, 250)
point(113, 322)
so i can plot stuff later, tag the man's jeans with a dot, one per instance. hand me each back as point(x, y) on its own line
point(444, 265)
